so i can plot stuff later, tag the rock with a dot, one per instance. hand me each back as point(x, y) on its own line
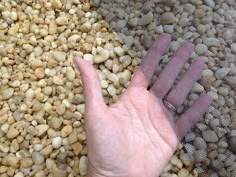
point(201, 49)
point(37, 158)
point(185, 158)
point(183, 172)
point(66, 131)
point(12, 133)
point(233, 47)
point(55, 123)
point(216, 165)
point(41, 129)
point(176, 162)
point(70, 74)
point(86, 27)
point(231, 80)
point(96, 3)
point(211, 41)
point(89, 58)
point(201, 28)
point(56, 142)
point(60, 109)
point(200, 155)
point(199, 13)
point(47, 150)
point(26, 162)
point(167, 18)
point(232, 144)
point(199, 143)
point(38, 51)
point(59, 56)
point(77, 147)
point(83, 165)
point(210, 3)
point(103, 56)
point(57, 81)
point(119, 51)
point(210, 136)
point(7, 93)
point(133, 22)
point(146, 19)
point(121, 24)
point(221, 73)
point(39, 73)
point(4, 148)
point(197, 88)
point(62, 20)
point(125, 60)
point(168, 28)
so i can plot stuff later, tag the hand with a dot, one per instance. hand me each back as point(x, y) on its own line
point(136, 136)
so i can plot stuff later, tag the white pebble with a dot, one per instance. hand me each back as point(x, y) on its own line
point(56, 142)
point(200, 49)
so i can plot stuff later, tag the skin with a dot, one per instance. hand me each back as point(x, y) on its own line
point(136, 137)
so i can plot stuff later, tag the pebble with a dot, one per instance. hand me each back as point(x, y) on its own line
point(83, 165)
point(121, 24)
point(210, 41)
point(232, 144)
point(62, 20)
point(168, 28)
point(233, 47)
point(221, 73)
point(133, 22)
point(199, 143)
point(210, 3)
point(77, 147)
point(37, 158)
point(86, 27)
point(88, 57)
point(7, 93)
point(125, 60)
point(66, 131)
point(38, 51)
point(146, 19)
point(200, 155)
point(4, 148)
point(19, 174)
point(167, 18)
point(201, 49)
point(41, 129)
point(210, 136)
point(231, 80)
point(199, 13)
point(26, 162)
point(56, 142)
point(183, 172)
point(59, 56)
point(102, 57)
point(176, 162)
point(12, 133)
point(58, 81)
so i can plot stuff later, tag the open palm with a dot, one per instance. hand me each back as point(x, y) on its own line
point(137, 136)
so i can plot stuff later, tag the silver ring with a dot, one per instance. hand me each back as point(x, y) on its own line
point(170, 106)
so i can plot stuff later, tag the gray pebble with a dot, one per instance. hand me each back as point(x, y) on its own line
point(233, 47)
point(210, 136)
point(230, 160)
point(189, 137)
point(200, 155)
point(146, 19)
point(232, 144)
point(216, 165)
point(221, 73)
point(211, 41)
point(210, 3)
point(199, 143)
point(231, 80)
point(168, 28)
point(133, 22)
point(121, 24)
point(220, 131)
point(125, 60)
point(200, 49)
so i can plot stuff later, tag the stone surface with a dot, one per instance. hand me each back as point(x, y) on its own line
point(210, 136)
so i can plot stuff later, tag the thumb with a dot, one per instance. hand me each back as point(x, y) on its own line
point(91, 85)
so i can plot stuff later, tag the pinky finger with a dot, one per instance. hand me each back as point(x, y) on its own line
point(194, 114)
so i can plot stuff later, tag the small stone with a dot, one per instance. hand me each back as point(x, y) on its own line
point(83, 165)
point(233, 47)
point(221, 73)
point(146, 19)
point(39, 73)
point(119, 51)
point(210, 136)
point(201, 49)
point(185, 158)
point(55, 123)
point(210, 3)
point(201, 28)
point(86, 27)
point(66, 131)
point(232, 144)
point(200, 155)
point(211, 41)
point(96, 3)
point(38, 51)
point(176, 162)
point(199, 143)
point(37, 158)
point(26, 162)
point(89, 58)
point(197, 88)
point(199, 13)
point(103, 56)
point(19, 174)
point(213, 95)
point(216, 165)
point(231, 80)
point(77, 147)
point(40, 173)
point(62, 20)
point(121, 24)
point(7, 93)
point(41, 129)
point(58, 81)
point(60, 109)
point(70, 74)
point(125, 60)
point(168, 28)
point(133, 22)
point(183, 172)
point(59, 56)
point(47, 150)
point(4, 148)
point(12, 133)
point(56, 142)
point(167, 18)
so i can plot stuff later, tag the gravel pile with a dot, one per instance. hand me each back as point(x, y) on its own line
point(41, 96)
point(211, 26)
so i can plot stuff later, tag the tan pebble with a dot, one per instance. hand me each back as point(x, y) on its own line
point(119, 51)
point(3, 169)
point(10, 160)
point(47, 90)
point(66, 131)
point(58, 81)
point(58, 172)
point(81, 108)
point(167, 18)
point(40, 173)
point(41, 129)
point(14, 29)
point(36, 63)
point(77, 147)
point(55, 122)
point(4, 148)
point(83, 165)
point(52, 28)
point(86, 27)
point(15, 83)
point(14, 146)
point(12, 133)
point(199, 13)
point(39, 73)
point(86, 7)
point(7, 93)
point(3, 118)
point(70, 74)
point(59, 56)
point(62, 20)
point(183, 172)
point(176, 162)
point(19, 174)
point(47, 150)
point(26, 162)
point(103, 56)
point(56, 4)
point(43, 32)
point(72, 138)
point(60, 109)
point(5, 127)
